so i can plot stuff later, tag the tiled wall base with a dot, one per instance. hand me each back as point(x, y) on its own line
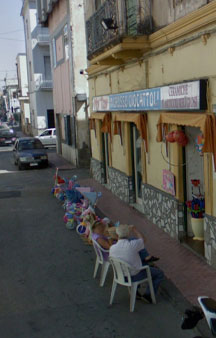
point(210, 240)
point(163, 210)
point(97, 171)
point(121, 185)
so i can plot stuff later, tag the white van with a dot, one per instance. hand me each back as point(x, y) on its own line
point(48, 137)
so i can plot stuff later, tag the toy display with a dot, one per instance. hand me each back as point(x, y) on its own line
point(79, 204)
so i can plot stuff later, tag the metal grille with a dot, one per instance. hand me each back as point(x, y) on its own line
point(132, 17)
point(96, 36)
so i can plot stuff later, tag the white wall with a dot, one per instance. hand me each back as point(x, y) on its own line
point(40, 101)
point(79, 49)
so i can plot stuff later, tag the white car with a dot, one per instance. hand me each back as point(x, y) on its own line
point(48, 137)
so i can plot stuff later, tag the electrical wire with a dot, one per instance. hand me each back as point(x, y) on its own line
point(172, 164)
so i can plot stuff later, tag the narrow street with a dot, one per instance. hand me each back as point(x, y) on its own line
point(46, 284)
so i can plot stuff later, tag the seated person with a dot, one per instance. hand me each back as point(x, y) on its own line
point(128, 251)
point(100, 235)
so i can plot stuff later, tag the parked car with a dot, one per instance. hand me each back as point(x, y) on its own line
point(48, 137)
point(7, 135)
point(29, 152)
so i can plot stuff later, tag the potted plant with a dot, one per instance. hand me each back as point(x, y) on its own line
point(196, 207)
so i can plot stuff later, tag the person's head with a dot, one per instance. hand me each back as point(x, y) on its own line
point(123, 231)
point(98, 227)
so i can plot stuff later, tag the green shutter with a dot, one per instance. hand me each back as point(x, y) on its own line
point(131, 6)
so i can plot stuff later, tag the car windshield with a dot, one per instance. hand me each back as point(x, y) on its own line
point(30, 144)
point(3, 126)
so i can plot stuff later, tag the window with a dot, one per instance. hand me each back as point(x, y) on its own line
point(47, 133)
point(47, 68)
point(66, 42)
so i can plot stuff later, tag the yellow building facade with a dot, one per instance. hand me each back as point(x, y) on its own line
point(168, 77)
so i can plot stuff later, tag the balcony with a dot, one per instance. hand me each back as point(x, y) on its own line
point(40, 36)
point(41, 83)
point(132, 19)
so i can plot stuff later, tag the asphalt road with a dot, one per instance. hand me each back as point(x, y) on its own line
point(46, 284)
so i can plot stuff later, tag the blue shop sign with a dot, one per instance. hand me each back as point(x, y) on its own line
point(176, 97)
point(149, 99)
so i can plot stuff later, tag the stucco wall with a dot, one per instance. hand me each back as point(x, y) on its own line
point(130, 78)
point(119, 152)
point(61, 89)
point(168, 11)
point(188, 62)
point(57, 15)
point(96, 142)
point(154, 162)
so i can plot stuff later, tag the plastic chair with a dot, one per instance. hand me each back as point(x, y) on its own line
point(100, 260)
point(122, 276)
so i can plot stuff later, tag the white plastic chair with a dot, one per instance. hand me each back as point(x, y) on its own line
point(100, 260)
point(122, 276)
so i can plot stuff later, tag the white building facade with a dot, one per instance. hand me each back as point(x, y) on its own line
point(23, 97)
point(38, 69)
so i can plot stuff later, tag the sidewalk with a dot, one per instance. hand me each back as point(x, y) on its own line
point(189, 273)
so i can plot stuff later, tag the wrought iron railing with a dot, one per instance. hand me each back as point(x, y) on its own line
point(132, 18)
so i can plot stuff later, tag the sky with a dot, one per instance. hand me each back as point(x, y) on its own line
point(11, 37)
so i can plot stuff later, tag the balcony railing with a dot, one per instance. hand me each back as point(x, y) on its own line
point(41, 83)
point(41, 35)
point(133, 18)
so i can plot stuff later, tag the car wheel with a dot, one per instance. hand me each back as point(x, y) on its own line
point(20, 166)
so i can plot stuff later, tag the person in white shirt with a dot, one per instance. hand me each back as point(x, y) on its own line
point(128, 250)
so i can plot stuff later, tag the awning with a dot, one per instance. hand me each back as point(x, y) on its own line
point(140, 120)
point(93, 117)
point(97, 116)
point(106, 124)
point(206, 123)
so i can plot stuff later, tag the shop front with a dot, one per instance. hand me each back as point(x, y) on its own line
point(169, 180)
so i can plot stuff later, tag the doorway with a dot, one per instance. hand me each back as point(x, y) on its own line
point(50, 118)
point(194, 184)
point(136, 154)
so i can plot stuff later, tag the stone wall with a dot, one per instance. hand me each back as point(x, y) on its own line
point(163, 210)
point(121, 185)
point(97, 171)
point(210, 239)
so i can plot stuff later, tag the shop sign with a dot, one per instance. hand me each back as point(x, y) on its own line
point(182, 96)
point(101, 103)
point(169, 182)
